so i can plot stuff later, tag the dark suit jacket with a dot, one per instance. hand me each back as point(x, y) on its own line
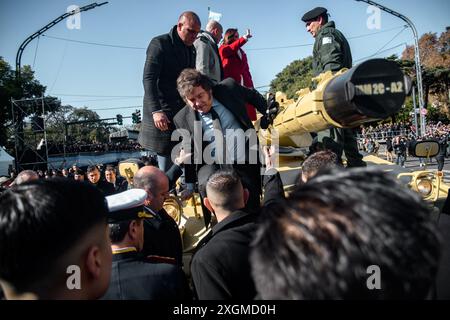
point(234, 97)
point(134, 277)
point(162, 237)
point(221, 266)
point(105, 187)
point(121, 184)
point(167, 56)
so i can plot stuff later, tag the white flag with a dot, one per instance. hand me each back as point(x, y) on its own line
point(40, 145)
point(214, 16)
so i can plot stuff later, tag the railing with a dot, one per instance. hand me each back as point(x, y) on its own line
point(383, 135)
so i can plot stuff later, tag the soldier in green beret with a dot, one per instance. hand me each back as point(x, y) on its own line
point(331, 52)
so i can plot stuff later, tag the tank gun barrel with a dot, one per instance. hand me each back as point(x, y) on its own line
point(370, 91)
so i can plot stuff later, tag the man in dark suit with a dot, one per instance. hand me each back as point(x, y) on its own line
point(93, 174)
point(135, 276)
point(217, 114)
point(120, 183)
point(221, 268)
point(167, 56)
point(162, 236)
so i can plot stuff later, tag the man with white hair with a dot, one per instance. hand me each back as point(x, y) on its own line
point(208, 59)
point(25, 176)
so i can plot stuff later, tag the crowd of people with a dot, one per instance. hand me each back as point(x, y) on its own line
point(397, 139)
point(86, 146)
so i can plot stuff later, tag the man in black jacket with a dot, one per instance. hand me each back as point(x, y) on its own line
point(93, 174)
point(221, 268)
point(167, 56)
point(216, 124)
point(135, 276)
point(162, 236)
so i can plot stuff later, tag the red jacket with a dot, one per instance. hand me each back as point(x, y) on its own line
point(235, 65)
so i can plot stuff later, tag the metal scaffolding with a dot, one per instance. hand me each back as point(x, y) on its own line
point(31, 146)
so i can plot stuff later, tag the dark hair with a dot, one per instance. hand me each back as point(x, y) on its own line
point(321, 241)
point(319, 161)
point(92, 168)
point(117, 231)
point(79, 172)
point(110, 168)
point(225, 183)
point(229, 35)
point(40, 222)
point(191, 78)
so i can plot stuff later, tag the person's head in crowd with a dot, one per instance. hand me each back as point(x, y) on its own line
point(188, 27)
point(40, 174)
point(318, 161)
point(65, 173)
point(78, 175)
point(344, 233)
point(54, 238)
point(216, 29)
point(57, 173)
point(110, 174)
point(48, 175)
point(149, 161)
point(126, 214)
point(196, 90)
point(231, 35)
point(25, 176)
point(74, 167)
point(225, 194)
point(155, 183)
point(93, 174)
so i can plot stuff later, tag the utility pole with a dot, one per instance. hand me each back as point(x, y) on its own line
point(416, 59)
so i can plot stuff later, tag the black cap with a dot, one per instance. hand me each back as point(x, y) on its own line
point(313, 14)
point(127, 205)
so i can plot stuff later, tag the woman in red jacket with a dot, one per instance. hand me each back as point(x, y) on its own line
point(235, 64)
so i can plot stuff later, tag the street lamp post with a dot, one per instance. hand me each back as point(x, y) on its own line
point(46, 27)
point(416, 59)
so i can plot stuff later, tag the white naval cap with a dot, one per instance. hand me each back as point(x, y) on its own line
point(127, 205)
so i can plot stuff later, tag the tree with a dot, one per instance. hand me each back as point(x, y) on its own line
point(89, 131)
point(294, 77)
point(435, 58)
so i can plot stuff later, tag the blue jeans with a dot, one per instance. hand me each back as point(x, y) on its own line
point(164, 162)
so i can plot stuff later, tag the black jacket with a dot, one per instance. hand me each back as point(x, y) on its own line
point(221, 266)
point(167, 56)
point(162, 237)
point(105, 187)
point(121, 184)
point(135, 277)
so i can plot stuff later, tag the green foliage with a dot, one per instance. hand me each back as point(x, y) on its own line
point(89, 131)
point(294, 77)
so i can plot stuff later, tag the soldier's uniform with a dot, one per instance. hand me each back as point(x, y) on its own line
point(135, 276)
point(331, 52)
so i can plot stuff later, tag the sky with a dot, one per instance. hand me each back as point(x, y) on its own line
point(108, 79)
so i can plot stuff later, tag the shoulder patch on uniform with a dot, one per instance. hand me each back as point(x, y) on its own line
point(160, 259)
point(326, 40)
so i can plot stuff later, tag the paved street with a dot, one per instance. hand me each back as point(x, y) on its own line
point(414, 164)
